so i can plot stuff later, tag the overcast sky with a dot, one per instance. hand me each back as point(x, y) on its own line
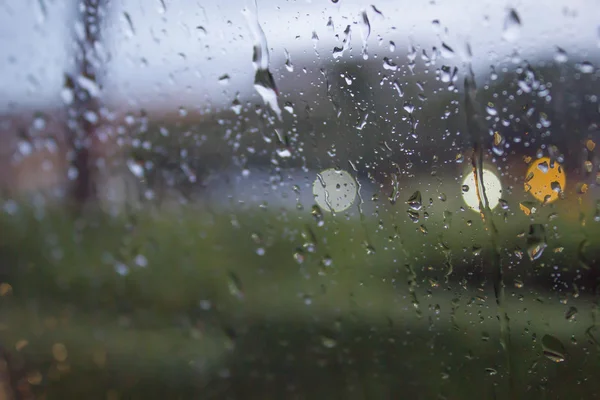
point(174, 55)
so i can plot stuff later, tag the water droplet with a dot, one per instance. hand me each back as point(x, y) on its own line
point(25, 148)
point(389, 64)
point(571, 313)
point(317, 214)
point(369, 248)
point(328, 342)
point(398, 88)
point(518, 283)
point(288, 61)
point(582, 188)
point(447, 51)
point(235, 286)
point(553, 348)
point(415, 202)
point(447, 75)
point(585, 67)
point(590, 145)
point(141, 260)
point(339, 51)
point(528, 207)
point(264, 83)
point(561, 56)
point(365, 33)
point(411, 54)
point(67, 95)
point(224, 79)
point(121, 269)
point(162, 7)
point(205, 305)
point(283, 152)
point(310, 239)
point(362, 122)
point(543, 166)
point(256, 238)
point(413, 215)
point(512, 26)
point(236, 106)
point(42, 11)
point(536, 241)
point(135, 168)
point(201, 31)
point(89, 85)
point(131, 30)
point(299, 255)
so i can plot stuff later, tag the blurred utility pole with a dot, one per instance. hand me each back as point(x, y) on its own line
point(83, 114)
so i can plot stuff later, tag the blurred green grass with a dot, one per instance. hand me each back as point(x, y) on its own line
point(208, 315)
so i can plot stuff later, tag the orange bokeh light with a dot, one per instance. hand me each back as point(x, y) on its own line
point(545, 180)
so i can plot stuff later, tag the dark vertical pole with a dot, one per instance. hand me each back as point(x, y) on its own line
point(84, 112)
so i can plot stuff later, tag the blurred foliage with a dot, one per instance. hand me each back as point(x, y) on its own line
point(202, 313)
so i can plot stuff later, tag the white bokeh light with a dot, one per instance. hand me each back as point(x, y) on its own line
point(493, 190)
point(334, 190)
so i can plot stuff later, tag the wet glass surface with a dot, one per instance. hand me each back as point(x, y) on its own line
point(330, 199)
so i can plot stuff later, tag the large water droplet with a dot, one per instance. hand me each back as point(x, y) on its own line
point(224, 79)
point(571, 313)
point(365, 33)
point(561, 56)
point(264, 83)
point(543, 166)
point(131, 29)
point(512, 26)
point(585, 67)
point(408, 107)
point(553, 348)
point(339, 51)
point(447, 51)
point(536, 241)
point(288, 61)
point(415, 202)
point(389, 64)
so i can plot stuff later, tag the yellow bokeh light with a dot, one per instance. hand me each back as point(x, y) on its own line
point(545, 180)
